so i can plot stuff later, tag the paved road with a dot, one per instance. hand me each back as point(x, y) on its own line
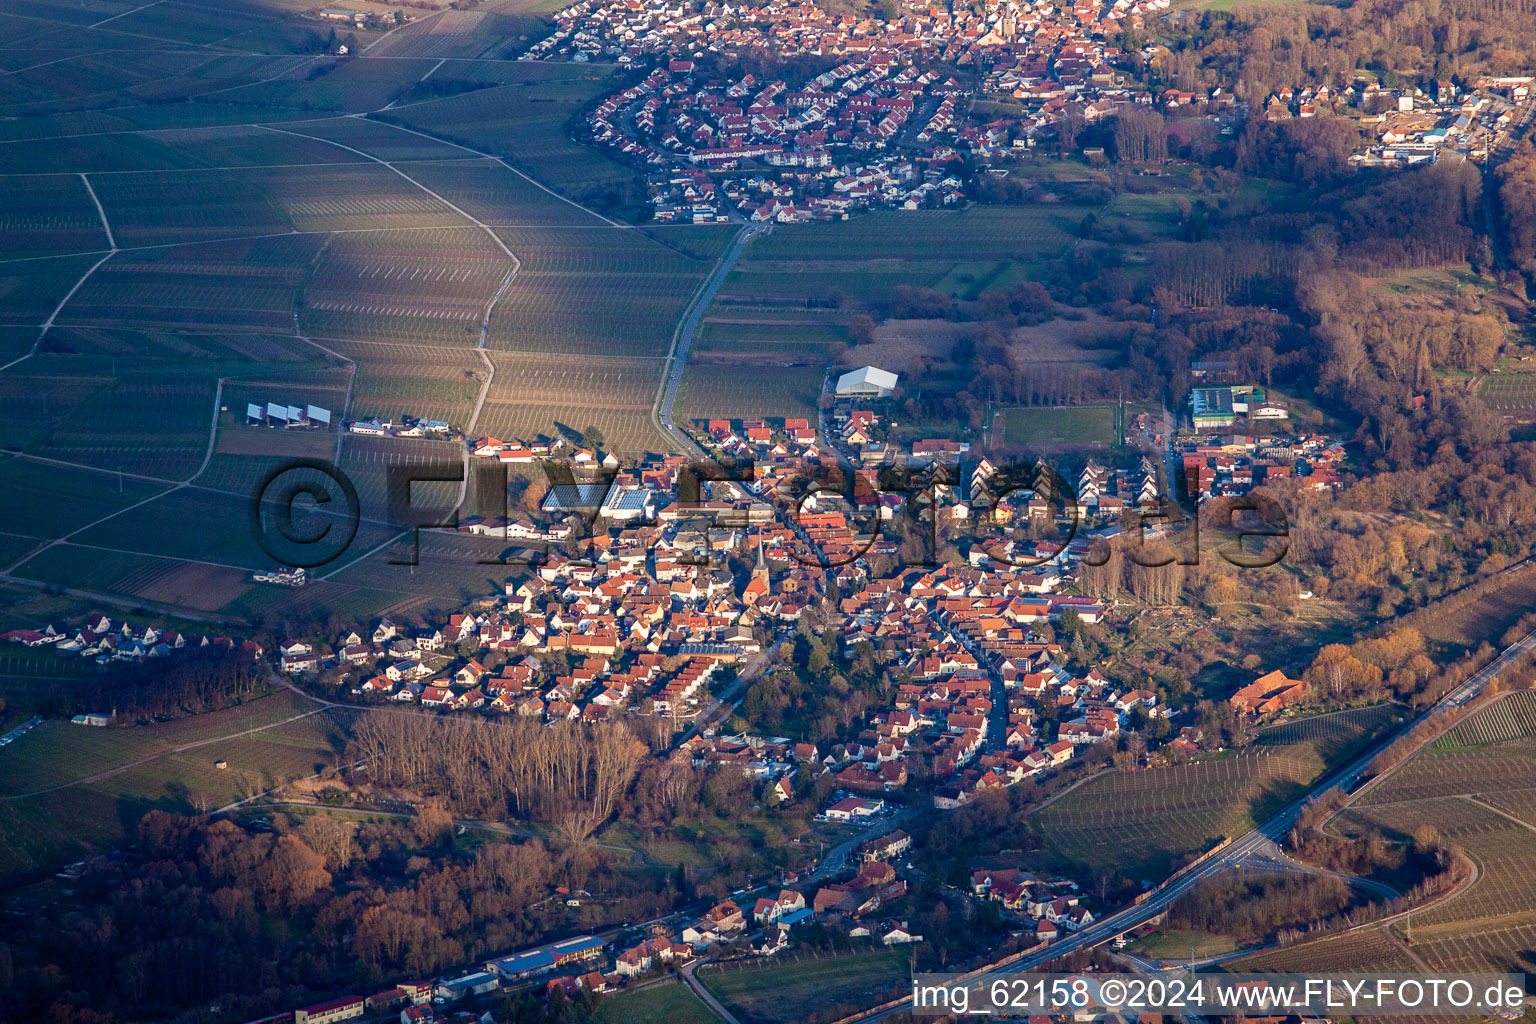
point(1252, 844)
point(705, 995)
point(683, 340)
point(21, 730)
point(731, 695)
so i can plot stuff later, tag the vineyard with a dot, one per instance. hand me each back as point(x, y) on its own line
point(249, 284)
point(603, 291)
point(490, 192)
point(525, 124)
point(412, 380)
point(1145, 823)
point(43, 500)
point(52, 214)
point(406, 286)
point(735, 388)
point(1512, 718)
point(1366, 950)
point(1498, 742)
point(1476, 785)
point(532, 395)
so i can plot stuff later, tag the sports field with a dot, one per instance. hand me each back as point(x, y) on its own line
point(666, 1003)
point(1512, 395)
point(1066, 426)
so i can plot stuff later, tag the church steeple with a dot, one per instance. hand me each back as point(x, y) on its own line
point(760, 570)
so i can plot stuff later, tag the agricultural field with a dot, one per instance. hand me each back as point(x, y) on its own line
point(1099, 426)
point(1146, 823)
point(801, 987)
point(532, 395)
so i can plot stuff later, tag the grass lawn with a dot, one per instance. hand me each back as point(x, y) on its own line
point(1174, 944)
point(1074, 425)
point(667, 1003)
point(809, 990)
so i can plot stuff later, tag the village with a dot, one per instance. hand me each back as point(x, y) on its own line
point(887, 126)
point(656, 593)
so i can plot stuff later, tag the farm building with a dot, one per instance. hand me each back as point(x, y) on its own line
point(1211, 408)
point(274, 415)
point(866, 382)
point(545, 958)
point(1270, 692)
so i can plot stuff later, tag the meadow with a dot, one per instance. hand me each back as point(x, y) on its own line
point(859, 262)
point(66, 789)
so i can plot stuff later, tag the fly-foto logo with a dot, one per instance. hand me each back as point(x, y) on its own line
point(306, 514)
